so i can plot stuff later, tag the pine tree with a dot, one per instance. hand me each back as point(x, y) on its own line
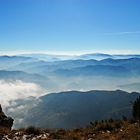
point(136, 109)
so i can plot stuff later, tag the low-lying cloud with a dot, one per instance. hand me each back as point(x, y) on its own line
point(17, 97)
point(13, 90)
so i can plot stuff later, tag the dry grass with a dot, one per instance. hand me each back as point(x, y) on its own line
point(32, 130)
point(4, 130)
point(103, 130)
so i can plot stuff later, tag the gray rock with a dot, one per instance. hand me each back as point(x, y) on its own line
point(4, 120)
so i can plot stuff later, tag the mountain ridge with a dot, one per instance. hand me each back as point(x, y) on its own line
point(75, 109)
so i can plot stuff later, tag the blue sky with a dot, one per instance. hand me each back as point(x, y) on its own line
point(72, 26)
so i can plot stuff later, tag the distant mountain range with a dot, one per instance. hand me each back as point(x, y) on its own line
point(22, 76)
point(58, 76)
point(96, 56)
point(76, 109)
point(43, 66)
point(100, 56)
point(11, 61)
point(99, 74)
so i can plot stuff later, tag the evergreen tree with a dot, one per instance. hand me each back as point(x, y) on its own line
point(136, 109)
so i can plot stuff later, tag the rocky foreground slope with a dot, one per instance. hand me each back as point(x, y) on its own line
point(5, 122)
point(98, 130)
point(104, 130)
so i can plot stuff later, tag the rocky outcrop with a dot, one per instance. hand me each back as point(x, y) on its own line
point(5, 121)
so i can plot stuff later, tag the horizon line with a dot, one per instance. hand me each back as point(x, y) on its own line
point(72, 53)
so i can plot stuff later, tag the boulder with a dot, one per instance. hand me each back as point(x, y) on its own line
point(5, 121)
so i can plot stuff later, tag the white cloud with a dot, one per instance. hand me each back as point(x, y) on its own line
point(10, 91)
point(122, 33)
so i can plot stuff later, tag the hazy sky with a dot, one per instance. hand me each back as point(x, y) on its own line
point(70, 25)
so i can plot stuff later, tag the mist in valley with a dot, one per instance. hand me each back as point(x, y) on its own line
point(24, 83)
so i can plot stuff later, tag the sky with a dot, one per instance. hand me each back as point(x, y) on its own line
point(69, 26)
